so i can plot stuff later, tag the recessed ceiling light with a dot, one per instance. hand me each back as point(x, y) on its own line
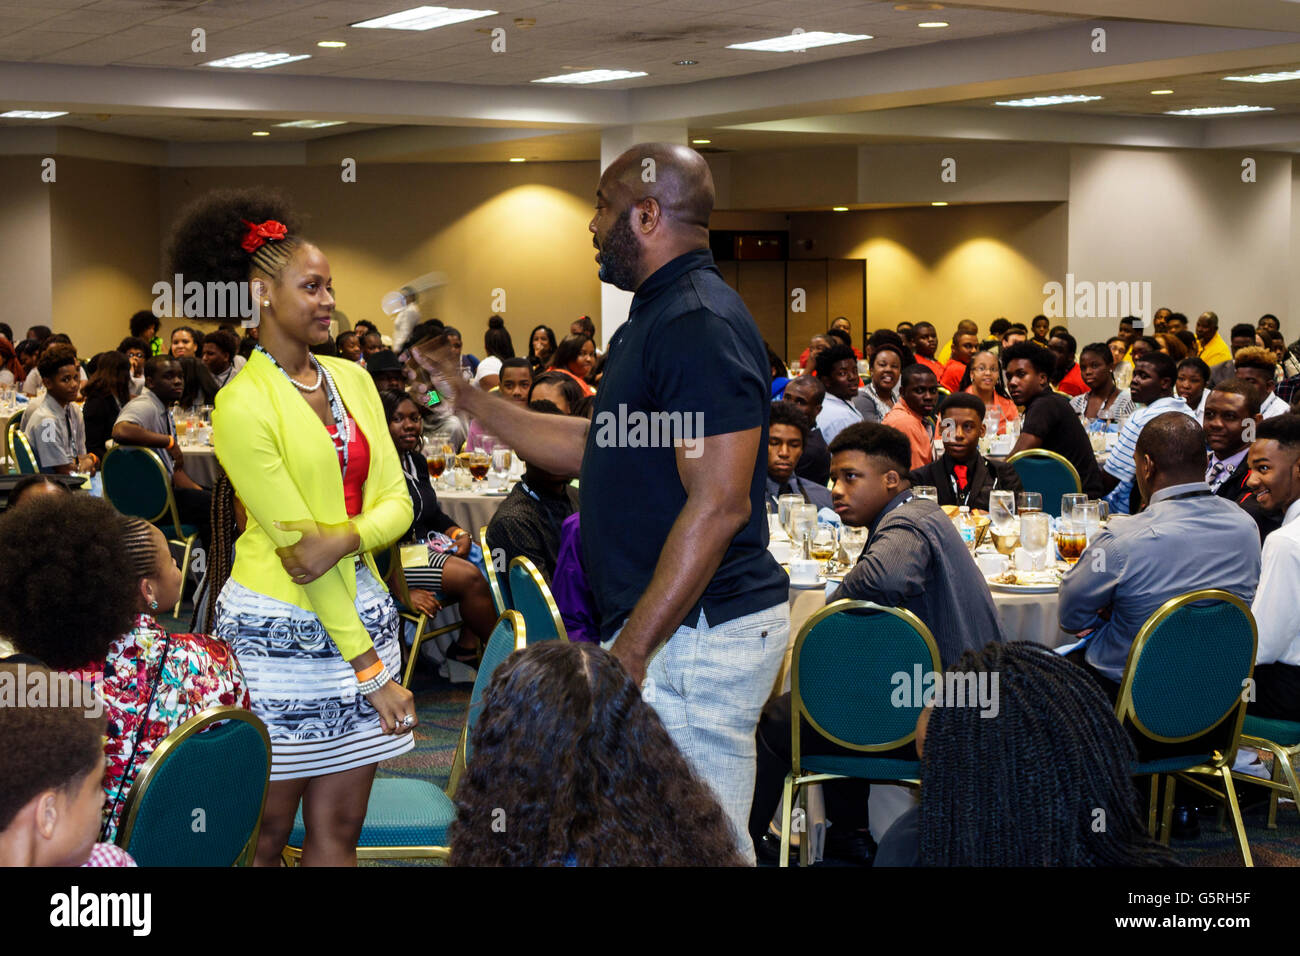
point(839, 208)
point(904, 7)
point(518, 159)
point(790, 42)
point(311, 124)
point(933, 24)
point(1218, 110)
point(1266, 77)
point(33, 114)
point(525, 23)
point(256, 61)
point(1049, 100)
point(685, 62)
point(592, 76)
point(261, 132)
point(332, 44)
point(701, 142)
point(423, 18)
point(938, 204)
point(1161, 92)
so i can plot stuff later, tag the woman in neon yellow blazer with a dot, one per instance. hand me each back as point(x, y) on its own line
point(305, 444)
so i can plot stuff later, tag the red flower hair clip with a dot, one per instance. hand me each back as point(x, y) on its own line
point(259, 233)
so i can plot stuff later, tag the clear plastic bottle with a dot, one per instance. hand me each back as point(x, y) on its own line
point(966, 526)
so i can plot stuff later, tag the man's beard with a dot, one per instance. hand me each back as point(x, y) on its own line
point(620, 256)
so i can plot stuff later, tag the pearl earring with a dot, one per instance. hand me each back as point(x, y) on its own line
point(266, 303)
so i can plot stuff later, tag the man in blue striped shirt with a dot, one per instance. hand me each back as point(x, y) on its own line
point(1154, 375)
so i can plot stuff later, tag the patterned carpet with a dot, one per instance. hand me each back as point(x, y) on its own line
point(441, 708)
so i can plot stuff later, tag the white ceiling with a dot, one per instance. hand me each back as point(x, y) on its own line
point(124, 68)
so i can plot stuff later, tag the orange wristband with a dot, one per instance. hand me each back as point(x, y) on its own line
point(374, 670)
point(171, 440)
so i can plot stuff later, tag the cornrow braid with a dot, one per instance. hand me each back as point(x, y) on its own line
point(273, 255)
point(1044, 782)
point(138, 541)
point(221, 554)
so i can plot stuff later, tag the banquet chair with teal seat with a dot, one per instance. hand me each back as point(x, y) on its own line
point(198, 799)
point(20, 451)
point(389, 563)
point(1182, 699)
point(137, 484)
point(1047, 473)
point(496, 581)
point(409, 819)
point(532, 598)
point(842, 684)
point(1282, 739)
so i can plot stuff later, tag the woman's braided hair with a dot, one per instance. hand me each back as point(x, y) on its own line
point(221, 554)
point(1047, 781)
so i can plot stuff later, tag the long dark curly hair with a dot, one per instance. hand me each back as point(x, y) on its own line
point(1046, 781)
point(206, 240)
point(75, 590)
point(571, 764)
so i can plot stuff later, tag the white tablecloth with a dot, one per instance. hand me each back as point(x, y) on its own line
point(201, 464)
point(469, 509)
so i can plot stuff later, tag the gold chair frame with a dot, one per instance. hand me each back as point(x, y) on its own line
point(1284, 760)
point(16, 437)
point(545, 589)
point(196, 724)
point(396, 581)
point(292, 856)
point(494, 582)
point(169, 510)
point(12, 426)
point(1220, 763)
point(797, 779)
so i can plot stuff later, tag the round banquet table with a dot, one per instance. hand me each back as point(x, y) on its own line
point(1025, 617)
point(201, 464)
point(469, 509)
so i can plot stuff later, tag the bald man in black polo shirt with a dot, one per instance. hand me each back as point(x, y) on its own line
point(674, 533)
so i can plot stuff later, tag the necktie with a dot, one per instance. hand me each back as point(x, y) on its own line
point(786, 490)
point(1218, 473)
point(960, 472)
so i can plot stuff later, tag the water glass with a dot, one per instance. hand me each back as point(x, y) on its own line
point(928, 492)
point(1028, 501)
point(784, 504)
point(1035, 531)
point(500, 462)
point(1087, 517)
point(1002, 511)
point(852, 541)
point(1068, 503)
point(803, 523)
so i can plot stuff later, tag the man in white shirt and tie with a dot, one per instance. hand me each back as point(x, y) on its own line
point(1256, 365)
point(1275, 479)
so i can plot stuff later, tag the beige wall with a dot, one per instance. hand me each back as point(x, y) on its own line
point(943, 264)
point(1185, 222)
point(521, 228)
point(104, 233)
point(24, 244)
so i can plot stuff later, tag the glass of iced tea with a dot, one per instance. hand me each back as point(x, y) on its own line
point(478, 466)
point(1071, 539)
point(437, 465)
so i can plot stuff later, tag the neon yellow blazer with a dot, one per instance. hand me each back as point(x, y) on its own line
point(284, 467)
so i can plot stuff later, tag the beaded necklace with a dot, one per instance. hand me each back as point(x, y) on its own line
point(342, 436)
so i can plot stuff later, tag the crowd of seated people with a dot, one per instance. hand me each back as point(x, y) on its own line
point(1206, 447)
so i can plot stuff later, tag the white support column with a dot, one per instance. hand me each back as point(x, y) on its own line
point(614, 303)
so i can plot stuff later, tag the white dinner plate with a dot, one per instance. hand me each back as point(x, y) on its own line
point(820, 583)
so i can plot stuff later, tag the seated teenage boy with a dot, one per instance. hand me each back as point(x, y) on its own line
point(962, 475)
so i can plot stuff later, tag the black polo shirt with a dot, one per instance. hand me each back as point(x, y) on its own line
point(689, 348)
point(1048, 417)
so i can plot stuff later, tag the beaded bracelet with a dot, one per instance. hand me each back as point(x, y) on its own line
point(370, 686)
